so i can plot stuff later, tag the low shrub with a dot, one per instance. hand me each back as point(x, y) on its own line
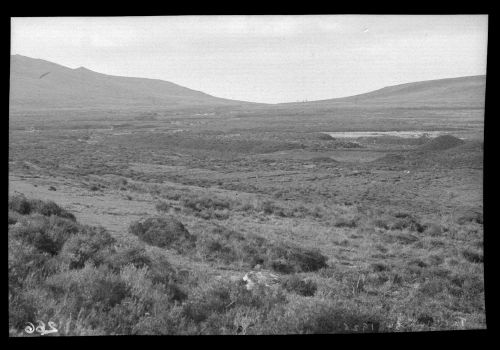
point(467, 286)
point(20, 204)
point(163, 232)
point(215, 301)
point(21, 308)
point(33, 231)
point(24, 206)
point(91, 245)
point(417, 262)
point(436, 272)
point(90, 288)
point(432, 287)
point(49, 208)
point(227, 246)
point(300, 286)
point(381, 223)
point(60, 230)
point(425, 319)
point(324, 137)
point(287, 258)
point(25, 260)
point(405, 238)
point(162, 207)
point(323, 160)
point(406, 222)
point(343, 222)
point(320, 316)
point(435, 259)
point(470, 216)
point(198, 204)
point(380, 267)
point(432, 229)
point(135, 255)
point(13, 217)
point(472, 256)
point(217, 248)
point(269, 207)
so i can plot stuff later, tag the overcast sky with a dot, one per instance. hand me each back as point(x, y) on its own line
point(263, 58)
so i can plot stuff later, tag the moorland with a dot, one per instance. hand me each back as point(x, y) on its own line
point(138, 219)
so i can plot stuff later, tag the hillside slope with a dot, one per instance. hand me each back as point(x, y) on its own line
point(39, 84)
point(468, 92)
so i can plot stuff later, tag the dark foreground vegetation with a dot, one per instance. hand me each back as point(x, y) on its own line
point(78, 277)
point(86, 282)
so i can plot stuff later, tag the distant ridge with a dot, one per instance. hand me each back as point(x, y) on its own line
point(462, 92)
point(40, 84)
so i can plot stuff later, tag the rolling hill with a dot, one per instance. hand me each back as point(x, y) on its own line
point(40, 84)
point(463, 92)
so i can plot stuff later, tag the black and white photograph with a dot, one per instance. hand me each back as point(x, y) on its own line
point(246, 174)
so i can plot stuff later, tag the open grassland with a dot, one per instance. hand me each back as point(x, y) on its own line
point(366, 234)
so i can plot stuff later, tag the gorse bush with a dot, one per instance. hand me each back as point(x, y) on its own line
point(470, 216)
point(320, 316)
point(23, 259)
point(207, 207)
point(225, 245)
point(269, 207)
point(299, 286)
point(92, 244)
point(472, 256)
point(89, 287)
point(343, 222)
point(13, 217)
point(198, 204)
point(215, 305)
point(46, 234)
point(130, 255)
point(20, 204)
point(163, 232)
point(290, 258)
point(51, 208)
point(24, 206)
point(324, 137)
point(162, 207)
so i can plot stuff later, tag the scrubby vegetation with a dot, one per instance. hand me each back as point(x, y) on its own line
point(163, 232)
point(365, 235)
point(230, 246)
point(88, 283)
point(300, 286)
point(81, 279)
point(22, 205)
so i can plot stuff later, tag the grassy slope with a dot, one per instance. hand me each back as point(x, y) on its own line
point(466, 92)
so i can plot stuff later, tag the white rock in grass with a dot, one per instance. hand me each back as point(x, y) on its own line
point(263, 278)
